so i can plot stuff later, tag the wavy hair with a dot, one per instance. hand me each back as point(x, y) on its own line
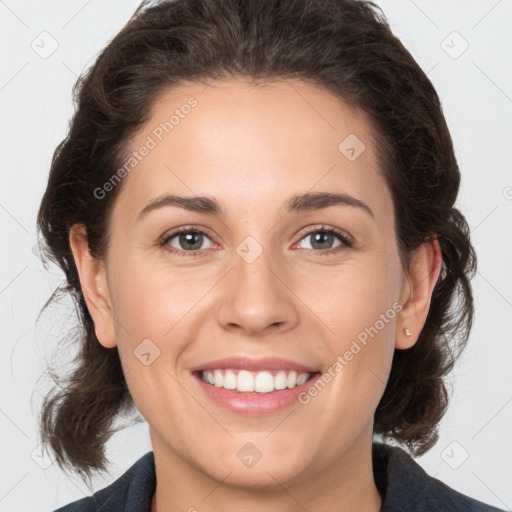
point(343, 46)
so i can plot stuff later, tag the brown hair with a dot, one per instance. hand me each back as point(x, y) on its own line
point(343, 46)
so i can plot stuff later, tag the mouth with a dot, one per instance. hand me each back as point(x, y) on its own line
point(254, 393)
point(251, 386)
point(255, 382)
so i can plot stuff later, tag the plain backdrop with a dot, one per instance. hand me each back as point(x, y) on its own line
point(466, 49)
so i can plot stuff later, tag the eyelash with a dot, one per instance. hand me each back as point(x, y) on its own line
point(342, 236)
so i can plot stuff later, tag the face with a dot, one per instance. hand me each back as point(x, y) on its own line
point(271, 283)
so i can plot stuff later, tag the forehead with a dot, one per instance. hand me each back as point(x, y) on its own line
point(253, 145)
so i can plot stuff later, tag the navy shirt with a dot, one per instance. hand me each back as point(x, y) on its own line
point(401, 481)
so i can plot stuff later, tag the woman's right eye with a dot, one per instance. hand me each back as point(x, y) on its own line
point(193, 238)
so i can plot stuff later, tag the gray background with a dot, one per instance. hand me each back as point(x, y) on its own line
point(474, 453)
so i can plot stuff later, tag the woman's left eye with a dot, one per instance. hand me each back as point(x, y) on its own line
point(192, 241)
point(326, 236)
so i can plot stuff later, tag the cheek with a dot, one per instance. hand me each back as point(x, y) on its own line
point(152, 313)
point(356, 297)
point(150, 302)
point(361, 309)
point(156, 316)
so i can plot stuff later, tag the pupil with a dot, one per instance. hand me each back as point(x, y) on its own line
point(321, 237)
point(188, 238)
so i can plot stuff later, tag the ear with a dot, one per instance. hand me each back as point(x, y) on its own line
point(424, 270)
point(93, 281)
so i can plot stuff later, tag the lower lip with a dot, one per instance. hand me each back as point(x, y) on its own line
point(254, 404)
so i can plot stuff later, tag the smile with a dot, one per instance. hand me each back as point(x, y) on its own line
point(236, 390)
point(259, 382)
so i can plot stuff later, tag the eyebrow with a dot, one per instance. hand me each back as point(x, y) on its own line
point(310, 201)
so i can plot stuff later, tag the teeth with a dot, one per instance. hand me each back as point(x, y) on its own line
point(245, 381)
point(260, 382)
point(303, 377)
point(217, 378)
point(264, 382)
point(229, 381)
point(291, 380)
point(280, 380)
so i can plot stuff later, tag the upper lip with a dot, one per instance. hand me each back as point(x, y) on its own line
point(251, 364)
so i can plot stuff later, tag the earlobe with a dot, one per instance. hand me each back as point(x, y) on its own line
point(93, 282)
point(423, 274)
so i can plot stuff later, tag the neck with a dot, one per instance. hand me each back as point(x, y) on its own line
point(346, 485)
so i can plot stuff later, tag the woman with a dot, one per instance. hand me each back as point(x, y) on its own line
point(254, 209)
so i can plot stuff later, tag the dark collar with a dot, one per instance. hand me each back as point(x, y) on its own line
point(405, 486)
point(402, 483)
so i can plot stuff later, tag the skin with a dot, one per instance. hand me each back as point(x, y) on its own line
point(252, 147)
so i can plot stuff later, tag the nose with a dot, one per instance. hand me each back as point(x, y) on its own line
point(257, 297)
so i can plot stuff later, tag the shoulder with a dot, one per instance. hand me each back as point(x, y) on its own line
point(131, 492)
point(406, 486)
